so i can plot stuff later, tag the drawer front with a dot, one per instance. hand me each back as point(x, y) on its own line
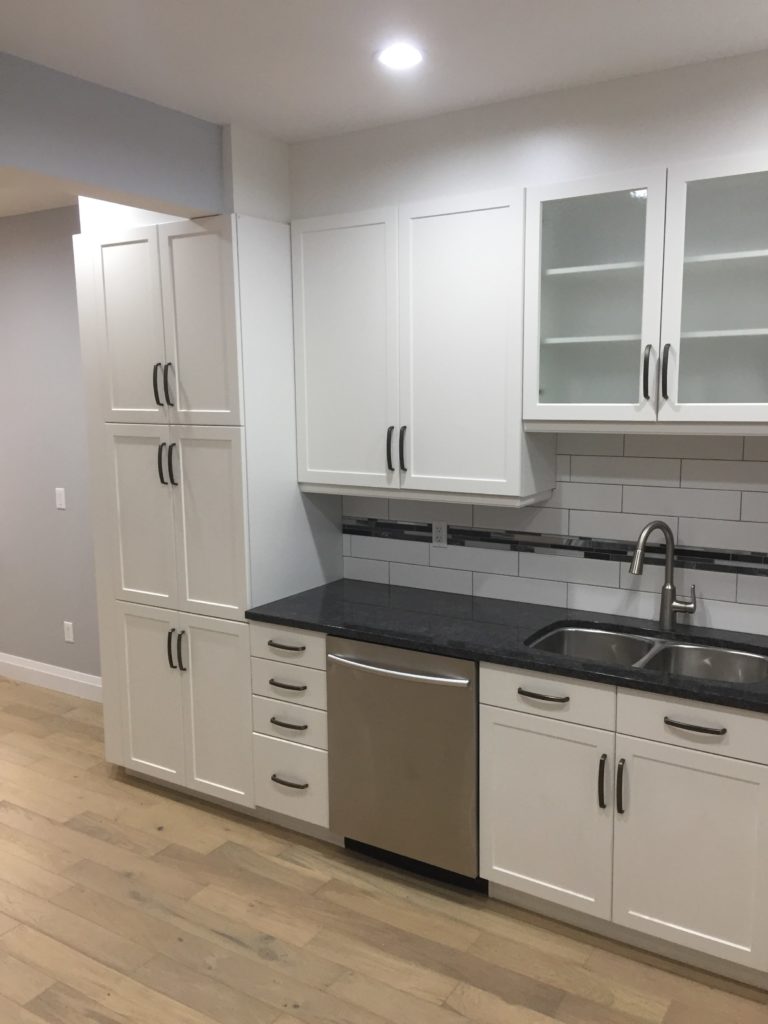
point(644, 714)
point(292, 763)
point(292, 646)
point(293, 683)
point(572, 700)
point(307, 726)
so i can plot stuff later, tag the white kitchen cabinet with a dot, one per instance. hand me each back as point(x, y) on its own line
point(546, 810)
point(691, 850)
point(345, 305)
point(715, 312)
point(593, 276)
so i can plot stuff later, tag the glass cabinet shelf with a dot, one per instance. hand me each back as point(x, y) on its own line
point(746, 332)
point(594, 268)
point(717, 257)
point(591, 339)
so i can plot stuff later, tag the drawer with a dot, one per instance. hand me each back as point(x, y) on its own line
point(292, 646)
point(293, 683)
point(307, 726)
point(572, 700)
point(643, 714)
point(305, 767)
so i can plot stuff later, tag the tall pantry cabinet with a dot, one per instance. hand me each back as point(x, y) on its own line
point(187, 353)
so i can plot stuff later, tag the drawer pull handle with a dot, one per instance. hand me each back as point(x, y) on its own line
point(601, 783)
point(620, 786)
point(288, 725)
point(286, 647)
point(287, 686)
point(542, 696)
point(290, 785)
point(707, 730)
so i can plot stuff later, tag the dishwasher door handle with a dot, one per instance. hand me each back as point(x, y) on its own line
point(420, 677)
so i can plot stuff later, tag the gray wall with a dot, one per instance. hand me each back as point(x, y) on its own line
point(46, 559)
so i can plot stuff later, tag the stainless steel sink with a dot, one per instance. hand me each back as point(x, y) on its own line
point(715, 663)
point(595, 645)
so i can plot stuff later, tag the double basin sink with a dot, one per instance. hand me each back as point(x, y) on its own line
point(671, 657)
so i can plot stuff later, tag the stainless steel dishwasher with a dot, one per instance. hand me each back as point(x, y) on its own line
point(402, 752)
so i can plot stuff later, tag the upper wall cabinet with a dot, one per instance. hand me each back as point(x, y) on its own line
point(593, 275)
point(164, 306)
point(715, 316)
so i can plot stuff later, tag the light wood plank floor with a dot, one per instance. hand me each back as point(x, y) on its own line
point(122, 903)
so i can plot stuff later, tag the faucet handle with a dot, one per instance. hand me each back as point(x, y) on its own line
point(686, 604)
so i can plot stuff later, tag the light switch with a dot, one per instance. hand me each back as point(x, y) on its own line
point(61, 498)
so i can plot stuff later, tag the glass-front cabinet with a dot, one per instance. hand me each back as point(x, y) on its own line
point(594, 258)
point(714, 337)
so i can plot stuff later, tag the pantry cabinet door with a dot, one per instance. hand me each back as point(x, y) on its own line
point(593, 270)
point(150, 692)
point(691, 850)
point(345, 305)
point(461, 282)
point(208, 483)
point(200, 305)
point(215, 666)
point(715, 315)
point(139, 513)
point(544, 829)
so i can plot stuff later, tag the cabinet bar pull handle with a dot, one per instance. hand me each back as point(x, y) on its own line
point(286, 647)
point(601, 782)
point(390, 463)
point(287, 686)
point(160, 454)
point(179, 638)
point(171, 449)
point(665, 372)
point(290, 785)
point(155, 384)
point(288, 725)
point(620, 786)
point(542, 696)
point(646, 372)
point(169, 648)
point(707, 730)
point(166, 384)
point(402, 450)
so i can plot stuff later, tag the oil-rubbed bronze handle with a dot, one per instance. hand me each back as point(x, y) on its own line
point(290, 785)
point(601, 783)
point(707, 730)
point(288, 725)
point(286, 647)
point(287, 686)
point(646, 372)
point(620, 786)
point(542, 696)
point(665, 372)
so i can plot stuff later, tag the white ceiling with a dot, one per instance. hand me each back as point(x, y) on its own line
point(304, 68)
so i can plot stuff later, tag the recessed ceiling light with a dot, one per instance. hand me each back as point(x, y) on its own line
point(400, 56)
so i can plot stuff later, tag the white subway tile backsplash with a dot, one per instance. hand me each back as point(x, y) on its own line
point(754, 507)
point(613, 525)
point(689, 446)
point(388, 550)
point(640, 604)
point(678, 501)
point(427, 577)
point(365, 508)
point(652, 472)
point(569, 569)
point(756, 448)
point(712, 533)
point(490, 559)
point(430, 511)
point(590, 444)
point(717, 585)
point(745, 618)
point(752, 589)
point(515, 588)
point(534, 519)
point(596, 497)
point(366, 569)
point(346, 544)
point(743, 476)
point(563, 467)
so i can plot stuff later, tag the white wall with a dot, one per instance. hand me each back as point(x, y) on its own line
point(46, 559)
point(688, 113)
point(257, 174)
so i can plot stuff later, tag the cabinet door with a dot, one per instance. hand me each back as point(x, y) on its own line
point(140, 513)
point(593, 266)
point(346, 348)
point(543, 830)
point(214, 663)
point(461, 280)
point(691, 850)
point(209, 493)
point(715, 316)
point(201, 327)
point(151, 692)
point(128, 327)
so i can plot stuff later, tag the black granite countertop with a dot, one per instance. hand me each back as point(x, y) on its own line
point(481, 629)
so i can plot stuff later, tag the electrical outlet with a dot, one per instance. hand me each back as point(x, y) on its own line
point(440, 535)
point(69, 632)
point(61, 498)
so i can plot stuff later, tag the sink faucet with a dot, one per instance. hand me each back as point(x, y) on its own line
point(671, 604)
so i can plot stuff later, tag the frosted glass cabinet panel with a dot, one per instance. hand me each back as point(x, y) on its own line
point(715, 321)
point(593, 298)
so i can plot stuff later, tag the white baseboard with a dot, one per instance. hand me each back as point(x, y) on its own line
point(52, 677)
